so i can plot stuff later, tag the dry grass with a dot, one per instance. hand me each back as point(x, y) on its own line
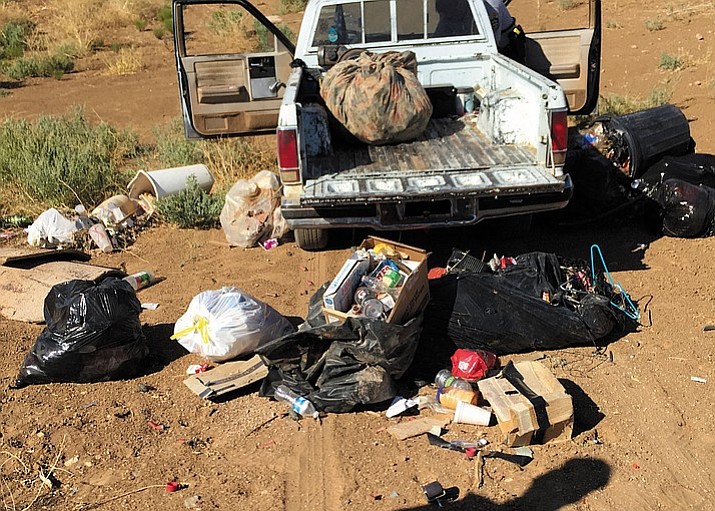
point(127, 61)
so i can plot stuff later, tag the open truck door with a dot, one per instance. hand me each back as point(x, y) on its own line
point(563, 43)
point(232, 64)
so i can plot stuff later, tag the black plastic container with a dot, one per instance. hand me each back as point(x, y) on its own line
point(652, 134)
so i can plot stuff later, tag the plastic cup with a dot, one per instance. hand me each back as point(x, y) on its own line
point(99, 235)
point(471, 414)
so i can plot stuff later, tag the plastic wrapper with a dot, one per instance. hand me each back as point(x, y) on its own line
point(377, 97)
point(226, 323)
point(93, 333)
point(251, 212)
point(51, 229)
point(339, 366)
point(532, 305)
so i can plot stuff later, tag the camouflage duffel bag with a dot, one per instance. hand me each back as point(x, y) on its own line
point(377, 97)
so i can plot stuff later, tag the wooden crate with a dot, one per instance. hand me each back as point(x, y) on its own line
point(517, 415)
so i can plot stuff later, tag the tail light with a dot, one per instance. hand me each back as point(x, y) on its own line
point(559, 136)
point(288, 155)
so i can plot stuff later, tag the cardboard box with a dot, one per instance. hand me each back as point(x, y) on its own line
point(414, 295)
point(546, 417)
point(339, 294)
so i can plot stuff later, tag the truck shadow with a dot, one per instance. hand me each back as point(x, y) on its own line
point(559, 487)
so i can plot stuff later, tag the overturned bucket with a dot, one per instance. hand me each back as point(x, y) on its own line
point(165, 182)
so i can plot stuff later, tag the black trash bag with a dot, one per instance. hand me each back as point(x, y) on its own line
point(338, 366)
point(93, 333)
point(523, 307)
point(683, 190)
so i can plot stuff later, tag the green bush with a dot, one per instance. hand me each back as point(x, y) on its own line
point(670, 62)
point(173, 149)
point(165, 16)
point(265, 37)
point(12, 38)
point(287, 6)
point(620, 105)
point(224, 21)
point(655, 24)
point(39, 66)
point(62, 161)
point(192, 207)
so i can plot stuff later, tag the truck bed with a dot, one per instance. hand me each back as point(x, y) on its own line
point(448, 144)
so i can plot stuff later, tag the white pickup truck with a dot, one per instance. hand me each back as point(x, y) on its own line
point(494, 147)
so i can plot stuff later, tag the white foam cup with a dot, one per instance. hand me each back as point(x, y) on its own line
point(466, 413)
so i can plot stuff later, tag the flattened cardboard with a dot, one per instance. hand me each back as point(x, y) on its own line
point(227, 377)
point(26, 277)
point(417, 427)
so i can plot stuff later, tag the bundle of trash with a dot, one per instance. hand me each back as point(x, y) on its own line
point(682, 189)
point(377, 97)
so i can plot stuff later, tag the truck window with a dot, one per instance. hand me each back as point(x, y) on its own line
point(339, 24)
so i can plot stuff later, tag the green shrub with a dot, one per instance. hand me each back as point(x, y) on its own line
point(287, 6)
point(173, 149)
point(13, 37)
point(265, 37)
point(670, 62)
point(224, 21)
point(159, 32)
point(655, 24)
point(139, 24)
point(62, 161)
point(192, 207)
point(39, 66)
point(165, 16)
point(565, 5)
point(620, 105)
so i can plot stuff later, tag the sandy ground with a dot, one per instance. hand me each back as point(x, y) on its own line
point(657, 446)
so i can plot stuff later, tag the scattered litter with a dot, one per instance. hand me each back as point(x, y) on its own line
point(437, 494)
point(157, 427)
point(150, 306)
point(226, 323)
point(88, 405)
point(698, 379)
point(101, 238)
point(227, 377)
point(435, 430)
point(197, 368)
point(142, 387)
point(524, 451)
point(417, 427)
point(393, 495)
point(165, 182)
point(466, 413)
point(172, 486)
point(51, 229)
point(93, 333)
point(8, 234)
point(192, 502)
point(709, 328)
point(299, 404)
point(269, 244)
point(142, 279)
point(399, 406)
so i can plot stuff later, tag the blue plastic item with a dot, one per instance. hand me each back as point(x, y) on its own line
point(626, 307)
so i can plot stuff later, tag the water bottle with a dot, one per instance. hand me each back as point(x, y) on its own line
point(445, 379)
point(300, 405)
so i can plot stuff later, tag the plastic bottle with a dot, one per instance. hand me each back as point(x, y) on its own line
point(142, 279)
point(445, 378)
point(373, 309)
point(362, 294)
point(299, 404)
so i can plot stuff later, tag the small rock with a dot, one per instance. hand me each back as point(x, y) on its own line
point(393, 494)
point(634, 46)
point(73, 460)
point(699, 37)
point(145, 388)
point(698, 83)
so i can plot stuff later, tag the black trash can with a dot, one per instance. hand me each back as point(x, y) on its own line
point(651, 134)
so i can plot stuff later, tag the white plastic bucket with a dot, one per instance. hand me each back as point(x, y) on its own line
point(165, 182)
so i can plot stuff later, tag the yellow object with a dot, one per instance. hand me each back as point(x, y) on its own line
point(451, 396)
point(201, 326)
point(386, 250)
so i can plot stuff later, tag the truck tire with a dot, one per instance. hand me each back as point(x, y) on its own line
point(311, 239)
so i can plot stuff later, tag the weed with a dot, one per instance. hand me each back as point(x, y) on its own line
point(172, 148)
point(39, 66)
point(654, 24)
point(140, 24)
point(613, 24)
point(159, 32)
point(265, 37)
point(127, 62)
point(225, 21)
point(566, 5)
point(13, 38)
point(620, 105)
point(115, 47)
point(4, 92)
point(287, 6)
point(60, 161)
point(192, 207)
point(671, 62)
point(165, 16)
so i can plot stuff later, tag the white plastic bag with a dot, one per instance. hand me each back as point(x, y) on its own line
point(226, 323)
point(248, 216)
point(51, 229)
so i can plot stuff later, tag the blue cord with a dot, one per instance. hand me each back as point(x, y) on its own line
point(629, 310)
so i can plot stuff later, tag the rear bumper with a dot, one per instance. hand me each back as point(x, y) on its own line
point(448, 210)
